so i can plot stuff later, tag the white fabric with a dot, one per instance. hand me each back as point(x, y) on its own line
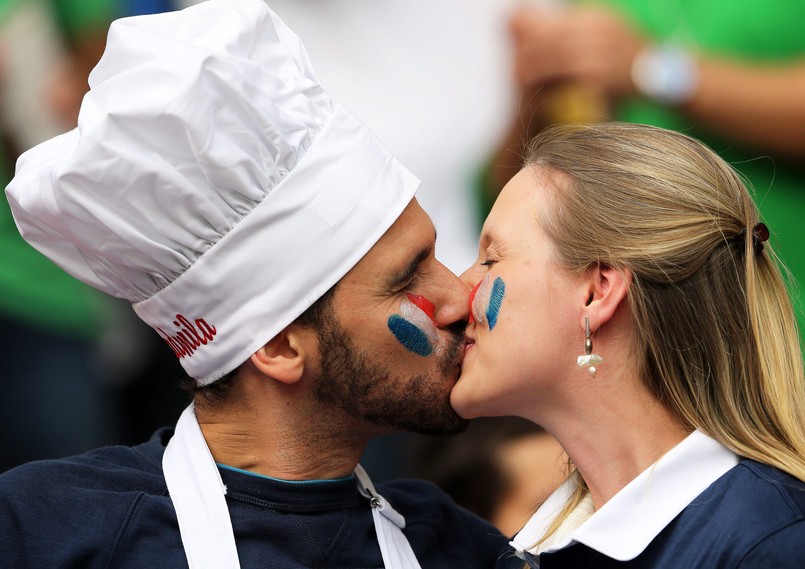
point(295, 245)
point(432, 80)
point(394, 546)
point(624, 526)
point(198, 496)
point(211, 181)
point(197, 493)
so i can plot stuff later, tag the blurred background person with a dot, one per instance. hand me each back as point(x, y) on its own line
point(731, 74)
point(59, 339)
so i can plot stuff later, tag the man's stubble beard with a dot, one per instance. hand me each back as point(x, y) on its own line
point(369, 391)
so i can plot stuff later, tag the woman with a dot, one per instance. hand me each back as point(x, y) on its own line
point(628, 301)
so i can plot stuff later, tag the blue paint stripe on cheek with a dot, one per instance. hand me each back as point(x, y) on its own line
point(495, 300)
point(410, 335)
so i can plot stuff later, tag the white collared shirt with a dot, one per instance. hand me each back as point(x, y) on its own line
point(631, 519)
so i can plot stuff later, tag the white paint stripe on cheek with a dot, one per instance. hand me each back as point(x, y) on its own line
point(417, 317)
point(481, 300)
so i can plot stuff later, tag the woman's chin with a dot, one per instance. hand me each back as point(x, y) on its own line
point(462, 401)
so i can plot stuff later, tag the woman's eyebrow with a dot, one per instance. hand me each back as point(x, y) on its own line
point(488, 237)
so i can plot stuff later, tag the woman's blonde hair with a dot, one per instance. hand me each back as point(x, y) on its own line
point(716, 338)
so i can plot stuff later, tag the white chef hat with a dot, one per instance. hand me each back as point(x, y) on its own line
point(211, 182)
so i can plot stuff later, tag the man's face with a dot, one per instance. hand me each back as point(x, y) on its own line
point(392, 344)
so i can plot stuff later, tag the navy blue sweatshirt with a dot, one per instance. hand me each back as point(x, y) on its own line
point(109, 508)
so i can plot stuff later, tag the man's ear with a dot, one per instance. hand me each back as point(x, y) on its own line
point(607, 290)
point(284, 356)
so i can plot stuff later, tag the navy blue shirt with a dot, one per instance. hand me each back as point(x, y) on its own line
point(752, 517)
point(110, 508)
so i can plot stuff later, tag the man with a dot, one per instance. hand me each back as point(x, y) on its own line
point(276, 247)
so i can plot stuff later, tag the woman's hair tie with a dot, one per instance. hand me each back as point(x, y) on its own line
point(760, 234)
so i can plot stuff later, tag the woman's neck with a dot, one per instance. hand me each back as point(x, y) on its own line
point(613, 432)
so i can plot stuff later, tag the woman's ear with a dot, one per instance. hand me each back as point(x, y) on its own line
point(607, 290)
point(284, 356)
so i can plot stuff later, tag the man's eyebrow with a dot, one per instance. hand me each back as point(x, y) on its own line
point(405, 275)
point(408, 272)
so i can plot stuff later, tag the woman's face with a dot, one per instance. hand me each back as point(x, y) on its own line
point(525, 310)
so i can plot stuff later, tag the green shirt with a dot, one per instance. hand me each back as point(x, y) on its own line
point(751, 31)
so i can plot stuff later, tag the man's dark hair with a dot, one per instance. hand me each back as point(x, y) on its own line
point(314, 317)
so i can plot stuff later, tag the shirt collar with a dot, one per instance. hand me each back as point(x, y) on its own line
point(624, 526)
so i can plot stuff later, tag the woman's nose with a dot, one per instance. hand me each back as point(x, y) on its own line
point(453, 306)
point(472, 275)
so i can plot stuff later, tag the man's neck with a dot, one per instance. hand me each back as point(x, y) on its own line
point(275, 437)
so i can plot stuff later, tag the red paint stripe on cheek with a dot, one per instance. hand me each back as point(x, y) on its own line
point(424, 305)
point(473, 292)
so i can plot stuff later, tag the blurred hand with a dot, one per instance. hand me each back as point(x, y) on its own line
point(588, 44)
point(64, 91)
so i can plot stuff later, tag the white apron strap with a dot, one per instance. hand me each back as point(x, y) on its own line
point(197, 492)
point(396, 551)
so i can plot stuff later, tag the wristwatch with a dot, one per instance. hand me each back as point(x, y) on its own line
point(667, 74)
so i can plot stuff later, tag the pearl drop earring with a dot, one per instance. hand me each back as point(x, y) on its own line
point(589, 359)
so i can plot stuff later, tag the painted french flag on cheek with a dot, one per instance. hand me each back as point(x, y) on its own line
point(485, 301)
point(415, 326)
